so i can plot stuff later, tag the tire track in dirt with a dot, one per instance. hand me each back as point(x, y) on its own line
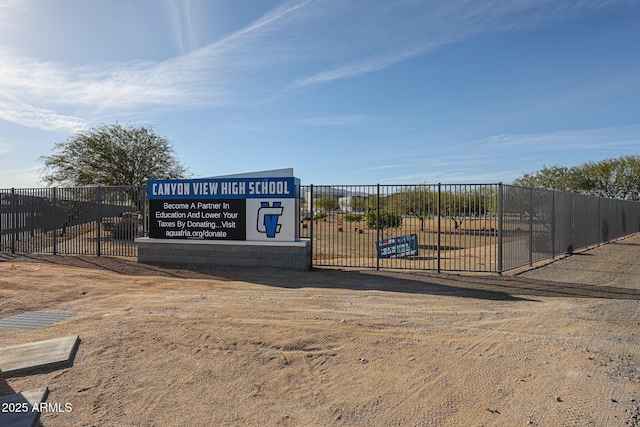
point(382, 338)
point(494, 340)
point(326, 349)
point(484, 350)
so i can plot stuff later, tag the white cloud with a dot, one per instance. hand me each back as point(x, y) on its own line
point(428, 25)
point(38, 118)
point(187, 22)
point(624, 137)
point(49, 96)
point(320, 40)
point(351, 70)
point(54, 96)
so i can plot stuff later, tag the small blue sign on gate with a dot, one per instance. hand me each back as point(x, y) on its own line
point(398, 247)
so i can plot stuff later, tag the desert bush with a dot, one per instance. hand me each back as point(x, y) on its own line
point(387, 219)
point(319, 215)
point(353, 217)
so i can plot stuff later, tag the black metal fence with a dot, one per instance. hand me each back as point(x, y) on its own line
point(451, 227)
point(461, 227)
point(540, 224)
point(440, 227)
point(83, 220)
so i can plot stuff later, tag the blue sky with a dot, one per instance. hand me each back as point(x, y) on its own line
point(345, 92)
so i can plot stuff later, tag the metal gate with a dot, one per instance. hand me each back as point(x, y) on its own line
point(426, 227)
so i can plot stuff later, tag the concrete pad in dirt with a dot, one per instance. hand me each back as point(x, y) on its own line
point(19, 408)
point(55, 353)
point(33, 320)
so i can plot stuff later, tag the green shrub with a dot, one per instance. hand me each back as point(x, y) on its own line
point(387, 219)
point(353, 217)
point(319, 215)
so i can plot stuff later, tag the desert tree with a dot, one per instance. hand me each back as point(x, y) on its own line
point(359, 203)
point(112, 155)
point(120, 158)
point(559, 178)
point(617, 178)
point(326, 202)
point(614, 178)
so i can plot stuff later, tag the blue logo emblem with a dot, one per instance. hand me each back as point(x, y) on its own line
point(268, 217)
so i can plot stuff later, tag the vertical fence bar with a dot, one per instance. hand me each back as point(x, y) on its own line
point(14, 220)
point(553, 224)
point(55, 221)
point(439, 238)
point(471, 234)
point(573, 219)
point(3, 225)
point(531, 226)
point(4, 221)
point(145, 216)
point(32, 231)
point(377, 226)
point(500, 225)
point(599, 218)
point(98, 220)
point(493, 226)
point(310, 203)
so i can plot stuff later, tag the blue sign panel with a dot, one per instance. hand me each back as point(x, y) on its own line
point(256, 209)
point(222, 188)
point(396, 247)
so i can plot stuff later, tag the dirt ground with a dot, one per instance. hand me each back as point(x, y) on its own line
point(553, 346)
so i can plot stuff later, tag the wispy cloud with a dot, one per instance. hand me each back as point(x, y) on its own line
point(497, 158)
point(59, 97)
point(39, 118)
point(429, 25)
point(299, 44)
point(187, 22)
point(365, 66)
point(50, 96)
point(624, 137)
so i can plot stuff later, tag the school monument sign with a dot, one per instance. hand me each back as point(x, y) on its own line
point(244, 220)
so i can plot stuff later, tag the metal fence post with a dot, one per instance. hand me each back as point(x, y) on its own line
point(500, 231)
point(32, 217)
point(311, 227)
point(55, 221)
point(573, 219)
point(599, 218)
point(553, 224)
point(14, 220)
point(377, 227)
point(145, 217)
point(531, 226)
point(98, 220)
point(2, 225)
point(439, 213)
